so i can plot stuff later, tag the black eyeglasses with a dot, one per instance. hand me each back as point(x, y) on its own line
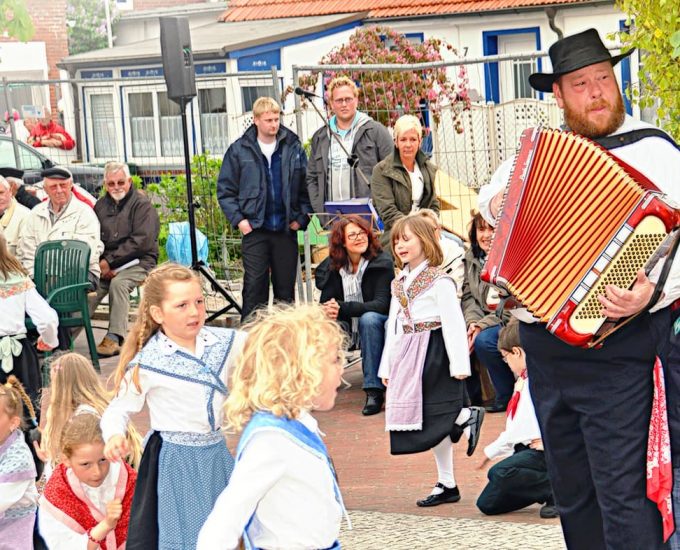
point(360, 235)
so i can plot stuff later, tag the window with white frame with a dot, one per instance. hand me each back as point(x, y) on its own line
point(212, 104)
point(142, 126)
point(253, 88)
point(514, 74)
point(171, 126)
point(102, 117)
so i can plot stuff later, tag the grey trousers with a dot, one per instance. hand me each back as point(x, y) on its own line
point(118, 289)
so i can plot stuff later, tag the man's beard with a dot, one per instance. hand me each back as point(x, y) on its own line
point(579, 122)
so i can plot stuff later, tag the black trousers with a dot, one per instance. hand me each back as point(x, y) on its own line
point(516, 482)
point(264, 253)
point(593, 407)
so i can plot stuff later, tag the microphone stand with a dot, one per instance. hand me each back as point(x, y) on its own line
point(196, 264)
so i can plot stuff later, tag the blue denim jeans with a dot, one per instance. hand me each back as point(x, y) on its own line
point(486, 348)
point(372, 333)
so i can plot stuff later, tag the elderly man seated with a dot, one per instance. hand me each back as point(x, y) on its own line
point(61, 216)
point(15, 178)
point(12, 215)
point(129, 229)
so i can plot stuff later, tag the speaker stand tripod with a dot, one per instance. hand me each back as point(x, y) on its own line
point(196, 264)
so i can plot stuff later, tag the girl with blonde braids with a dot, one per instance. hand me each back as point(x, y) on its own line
point(18, 494)
point(76, 388)
point(178, 367)
point(283, 492)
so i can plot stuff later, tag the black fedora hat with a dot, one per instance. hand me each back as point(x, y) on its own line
point(571, 54)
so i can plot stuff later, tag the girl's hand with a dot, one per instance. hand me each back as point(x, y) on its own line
point(385, 381)
point(114, 510)
point(42, 346)
point(40, 452)
point(461, 376)
point(116, 448)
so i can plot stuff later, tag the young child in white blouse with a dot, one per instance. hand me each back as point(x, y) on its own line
point(283, 493)
point(18, 494)
point(521, 478)
point(86, 502)
point(426, 359)
point(179, 368)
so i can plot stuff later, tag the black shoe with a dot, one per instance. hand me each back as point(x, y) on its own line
point(448, 495)
point(496, 408)
point(548, 511)
point(475, 423)
point(374, 402)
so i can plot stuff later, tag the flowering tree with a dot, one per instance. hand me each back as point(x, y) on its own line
point(386, 95)
point(15, 20)
point(87, 25)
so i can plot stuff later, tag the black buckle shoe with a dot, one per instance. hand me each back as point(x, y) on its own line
point(447, 495)
point(475, 423)
point(374, 402)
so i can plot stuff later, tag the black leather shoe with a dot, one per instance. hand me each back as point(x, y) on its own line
point(374, 402)
point(475, 423)
point(448, 495)
point(496, 408)
point(548, 511)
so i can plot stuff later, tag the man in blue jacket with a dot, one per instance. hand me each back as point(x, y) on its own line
point(262, 192)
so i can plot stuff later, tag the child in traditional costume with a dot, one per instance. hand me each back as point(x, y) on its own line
point(18, 494)
point(86, 502)
point(426, 358)
point(18, 298)
point(521, 478)
point(179, 368)
point(75, 388)
point(283, 492)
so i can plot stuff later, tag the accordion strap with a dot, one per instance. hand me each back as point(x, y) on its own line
point(620, 140)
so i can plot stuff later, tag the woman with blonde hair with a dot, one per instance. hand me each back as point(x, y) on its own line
point(75, 389)
point(283, 492)
point(404, 181)
point(178, 367)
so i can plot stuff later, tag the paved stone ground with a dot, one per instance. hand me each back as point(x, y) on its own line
point(380, 490)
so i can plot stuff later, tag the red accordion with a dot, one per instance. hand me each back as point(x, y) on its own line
point(573, 219)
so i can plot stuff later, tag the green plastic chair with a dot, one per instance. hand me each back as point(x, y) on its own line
point(60, 276)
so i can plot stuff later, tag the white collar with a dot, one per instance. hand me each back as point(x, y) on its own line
point(204, 339)
point(408, 276)
point(309, 422)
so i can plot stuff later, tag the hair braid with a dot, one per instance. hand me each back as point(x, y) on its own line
point(13, 382)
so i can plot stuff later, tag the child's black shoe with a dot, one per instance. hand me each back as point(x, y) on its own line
point(447, 495)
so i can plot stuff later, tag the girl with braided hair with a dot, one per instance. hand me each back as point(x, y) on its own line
point(179, 368)
point(18, 494)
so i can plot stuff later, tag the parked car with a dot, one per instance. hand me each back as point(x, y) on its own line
point(89, 177)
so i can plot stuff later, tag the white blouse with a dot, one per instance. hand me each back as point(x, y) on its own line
point(14, 308)
point(174, 404)
point(290, 491)
point(438, 303)
point(417, 187)
point(61, 537)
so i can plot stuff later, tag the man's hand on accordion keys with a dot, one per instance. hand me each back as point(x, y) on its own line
point(620, 302)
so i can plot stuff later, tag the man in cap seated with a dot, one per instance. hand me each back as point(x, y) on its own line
point(15, 178)
point(61, 216)
point(12, 215)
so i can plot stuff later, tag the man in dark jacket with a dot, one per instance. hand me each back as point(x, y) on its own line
point(330, 176)
point(129, 230)
point(261, 189)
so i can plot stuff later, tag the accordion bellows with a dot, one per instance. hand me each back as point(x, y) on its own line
point(574, 219)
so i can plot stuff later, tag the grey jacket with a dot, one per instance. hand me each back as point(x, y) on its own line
point(371, 144)
point(391, 190)
point(475, 292)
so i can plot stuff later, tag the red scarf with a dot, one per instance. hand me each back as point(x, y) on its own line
point(659, 467)
point(514, 400)
point(69, 507)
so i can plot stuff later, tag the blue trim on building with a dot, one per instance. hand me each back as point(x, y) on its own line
point(145, 72)
point(235, 54)
point(96, 74)
point(490, 47)
point(626, 78)
point(211, 68)
point(262, 61)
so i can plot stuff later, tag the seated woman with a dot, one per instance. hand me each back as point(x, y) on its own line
point(403, 182)
point(482, 322)
point(355, 290)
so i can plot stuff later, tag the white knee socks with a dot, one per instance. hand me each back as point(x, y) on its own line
point(443, 456)
point(463, 417)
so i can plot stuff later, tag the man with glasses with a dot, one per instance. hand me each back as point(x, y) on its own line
point(331, 175)
point(61, 216)
point(129, 230)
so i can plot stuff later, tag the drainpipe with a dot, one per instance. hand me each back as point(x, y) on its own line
point(551, 12)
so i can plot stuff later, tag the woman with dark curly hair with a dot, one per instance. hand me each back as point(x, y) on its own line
point(355, 290)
